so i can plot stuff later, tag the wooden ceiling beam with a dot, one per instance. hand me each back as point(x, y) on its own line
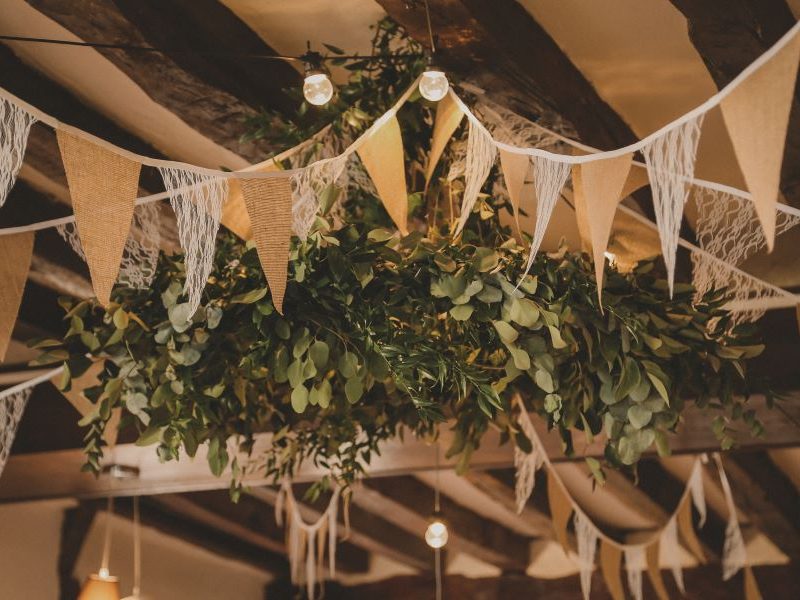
point(75, 526)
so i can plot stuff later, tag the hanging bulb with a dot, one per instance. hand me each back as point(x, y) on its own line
point(100, 586)
point(317, 89)
point(436, 534)
point(433, 85)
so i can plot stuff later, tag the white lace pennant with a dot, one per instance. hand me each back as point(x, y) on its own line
point(11, 408)
point(15, 125)
point(480, 157)
point(526, 463)
point(695, 485)
point(670, 165)
point(549, 177)
point(671, 552)
point(586, 535)
point(309, 183)
point(734, 553)
point(197, 200)
point(634, 565)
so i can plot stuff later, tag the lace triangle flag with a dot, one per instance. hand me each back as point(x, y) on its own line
point(654, 570)
point(515, 169)
point(448, 117)
point(526, 463)
point(734, 553)
point(16, 251)
point(269, 205)
point(560, 509)
point(103, 187)
point(610, 566)
point(586, 535)
point(15, 125)
point(11, 408)
point(756, 114)
point(634, 565)
point(600, 186)
point(196, 199)
point(671, 552)
point(382, 157)
point(670, 165)
point(481, 153)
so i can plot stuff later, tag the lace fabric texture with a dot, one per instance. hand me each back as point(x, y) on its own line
point(11, 408)
point(480, 156)
point(634, 565)
point(586, 535)
point(549, 178)
point(670, 551)
point(15, 125)
point(526, 464)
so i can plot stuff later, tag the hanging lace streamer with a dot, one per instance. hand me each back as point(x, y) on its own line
point(728, 228)
point(509, 127)
point(480, 158)
point(197, 200)
point(549, 177)
point(15, 125)
point(140, 256)
point(586, 535)
point(634, 565)
point(734, 553)
point(670, 165)
point(309, 184)
point(526, 463)
point(11, 408)
point(695, 485)
point(307, 541)
point(671, 552)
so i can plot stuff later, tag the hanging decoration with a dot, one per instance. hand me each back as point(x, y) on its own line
point(756, 114)
point(15, 261)
point(310, 184)
point(197, 200)
point(634, 565)
point(15, 125)
point(670, 552)
point(611, 568)
point(448, 117)
point(586, 536)
point(12, 405)
point(515, 169)
point(480, 158)
point(526, 464)
point(269, 205)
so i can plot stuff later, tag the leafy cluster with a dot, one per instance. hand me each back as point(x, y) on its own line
point(385, 335)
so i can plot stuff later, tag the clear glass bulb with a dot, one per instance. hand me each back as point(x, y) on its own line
point(434, 85)
point(318, 89)
point(436, 534)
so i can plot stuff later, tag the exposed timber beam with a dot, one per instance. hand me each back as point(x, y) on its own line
point(75, 526)
point(731, 35)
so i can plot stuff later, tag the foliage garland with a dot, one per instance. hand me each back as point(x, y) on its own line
point(383, 334)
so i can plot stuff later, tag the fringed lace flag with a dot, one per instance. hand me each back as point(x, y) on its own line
point(586, 535)
point(309, 184)
point(526, 463)
point(103, 187)
point(140, 256)
point(634, 565)
point(16, 251)
point(11, 408)
point(734, 554)
point(728, 228)
point(197, 200)
point(15, 125)
point(696, 490)
point(269, 205)
point(307, 541)
point(480, 158)
point(670, 165)
point(671, 552)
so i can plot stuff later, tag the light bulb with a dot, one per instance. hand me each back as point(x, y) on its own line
point(436, 534)
point(100, 587)
point(317, 89)
point(433, 85)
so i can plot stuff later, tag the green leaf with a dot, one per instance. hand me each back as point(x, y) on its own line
point(151, 435)
point(544, 380)
point(295, 373)
point(555, 335)
point(348, 364)
point(485, 259)
point(462, 312)
point(319, 353)
point(121, 319)
point(249, 297)
point(507, 333)
point(299, 398)
point(353, 389)
point(180, 316)
point(660, 387)
point(521, 359)
point(639, 416)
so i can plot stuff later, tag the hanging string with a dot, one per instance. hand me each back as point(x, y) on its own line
point(107, 538)
point(437, 551)
point(137, 550)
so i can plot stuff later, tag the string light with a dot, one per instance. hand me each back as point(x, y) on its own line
point(433, 84)
point(101, 585)
point(317, 87)
point(436, 534)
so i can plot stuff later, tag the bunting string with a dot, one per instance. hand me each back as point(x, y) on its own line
point(15, 125)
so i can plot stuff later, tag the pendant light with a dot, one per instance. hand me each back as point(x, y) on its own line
point(101, 585)
point(137, 554)
point(436, 534)
point(317, 86)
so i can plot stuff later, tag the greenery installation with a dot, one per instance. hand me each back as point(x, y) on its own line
point(383, 334)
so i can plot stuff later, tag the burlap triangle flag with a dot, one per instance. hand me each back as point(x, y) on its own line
point(515, 168)
point(382, 156)
point(234, 211)
point(16, 251)
point(448, 118)
point(757, 116)
point(269, 206)
point(610, 566)
point(75, 396)
point(103, 187)
point(600, 186)
point(751, 591)
point(560, 509)
point(637, 178)
point(687, 530)
point(654, 570)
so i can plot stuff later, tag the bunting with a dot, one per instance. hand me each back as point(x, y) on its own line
point(654, 570)
point(560, 509)
point(11, 408)
point(269, 206)
point(549, 177)
point(15, 261)
point(610, 566)
point(515, 169)
point(448, 117)
point(481, 153)
point(103, 187)
point(15, 125)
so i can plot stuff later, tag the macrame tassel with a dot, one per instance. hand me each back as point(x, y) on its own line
point(586, 535)
point(15, 125)
point(480, 158)
point(309, 184)
point(526, 463)
point(671, 552)
point(670, 165)
point(634, 565)
point(11, 408)
point(197, 200)
point(734, 553)
point(549, 177)
point(695, 485)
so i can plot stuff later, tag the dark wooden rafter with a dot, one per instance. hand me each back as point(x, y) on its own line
point(732, 34)
point(212, 111)
point(75, 526)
